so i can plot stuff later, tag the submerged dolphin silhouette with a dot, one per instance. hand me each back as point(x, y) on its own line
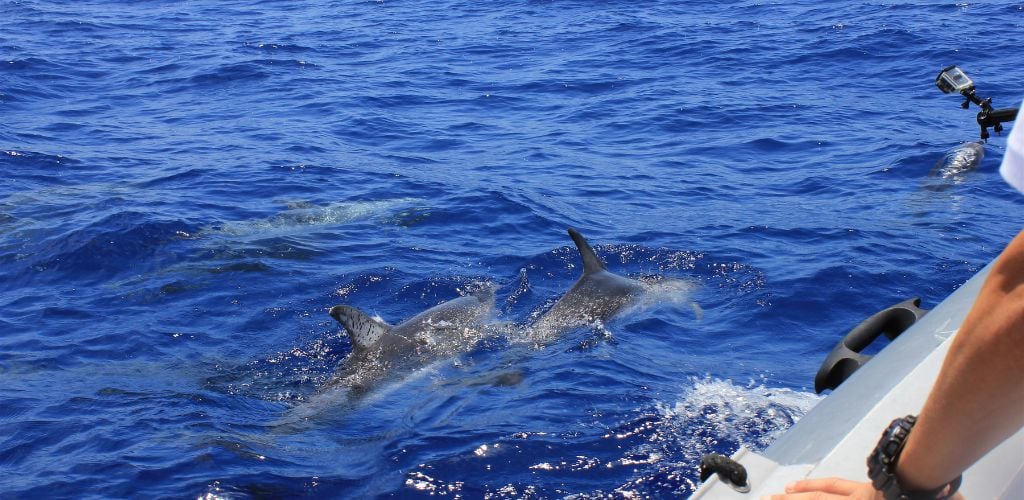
point(597, 295)
point(959, 160)
point(383, 352)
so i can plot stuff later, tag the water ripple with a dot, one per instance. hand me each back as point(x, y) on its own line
point(188, 188)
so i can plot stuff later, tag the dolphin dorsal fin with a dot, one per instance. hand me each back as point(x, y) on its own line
point(364, 330)
point(591, 262)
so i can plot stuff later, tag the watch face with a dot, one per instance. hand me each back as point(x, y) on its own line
point(891, 443)
point(884, 455)
point(881, 460)
point(891, 447)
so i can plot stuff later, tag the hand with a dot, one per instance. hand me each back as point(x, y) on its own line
point(832, 488)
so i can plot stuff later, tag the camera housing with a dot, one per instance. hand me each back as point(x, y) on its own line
point(953, 79)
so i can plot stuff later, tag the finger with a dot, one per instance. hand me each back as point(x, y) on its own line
point(836, 485)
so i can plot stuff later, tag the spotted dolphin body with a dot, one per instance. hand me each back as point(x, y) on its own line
point(383, 352)
point(597, 295)
point(958, 161)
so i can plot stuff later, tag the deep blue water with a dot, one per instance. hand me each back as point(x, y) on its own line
point(189, 186)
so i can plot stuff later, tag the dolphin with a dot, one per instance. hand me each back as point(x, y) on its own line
point(382, 352)
point(959, 160)
point(597, 295)
point(301, 214)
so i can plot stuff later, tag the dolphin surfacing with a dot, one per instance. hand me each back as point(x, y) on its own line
point(959, 160)
point(597, 295)
point(383, 352)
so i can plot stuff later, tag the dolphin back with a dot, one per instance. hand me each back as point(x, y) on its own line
point(959, 160)
point(591, 262)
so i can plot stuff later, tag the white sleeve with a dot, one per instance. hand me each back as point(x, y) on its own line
point(1013, 161)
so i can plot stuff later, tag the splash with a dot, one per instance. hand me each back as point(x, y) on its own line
point(653, 454)
point(666, 290)
point(751, 415)
point(713, 415)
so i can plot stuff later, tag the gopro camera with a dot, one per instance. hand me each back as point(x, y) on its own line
point(953, 79)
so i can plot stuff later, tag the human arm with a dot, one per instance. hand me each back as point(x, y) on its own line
point(978, 398)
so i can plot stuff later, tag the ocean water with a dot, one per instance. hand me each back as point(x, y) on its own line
point(188, 186)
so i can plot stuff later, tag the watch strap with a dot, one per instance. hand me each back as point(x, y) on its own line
point(882, 465)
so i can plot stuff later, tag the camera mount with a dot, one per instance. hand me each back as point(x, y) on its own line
point(953, 79)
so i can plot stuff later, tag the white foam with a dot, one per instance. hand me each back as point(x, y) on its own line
point(664, 290)
point(752, 415)
point(711, 415)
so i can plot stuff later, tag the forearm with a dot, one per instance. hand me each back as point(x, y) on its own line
point(978, 398)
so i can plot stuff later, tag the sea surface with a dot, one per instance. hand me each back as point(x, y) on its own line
point(188, 186)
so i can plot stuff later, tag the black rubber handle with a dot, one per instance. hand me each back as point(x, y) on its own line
point(846, 358)
point(729, 471)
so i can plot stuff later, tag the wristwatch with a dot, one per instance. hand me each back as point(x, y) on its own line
point(882, 465)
